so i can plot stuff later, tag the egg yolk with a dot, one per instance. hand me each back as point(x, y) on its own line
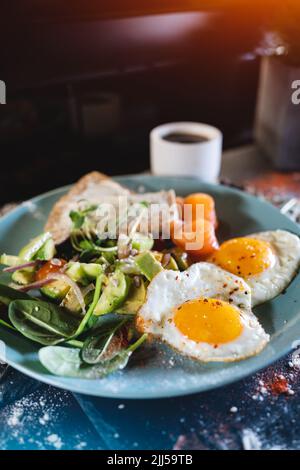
point(244, 257)
point(207, 320)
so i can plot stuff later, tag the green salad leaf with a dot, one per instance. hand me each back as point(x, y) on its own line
point(8, 294)
point(66, 362)
point(106, 338)
point(42, 322)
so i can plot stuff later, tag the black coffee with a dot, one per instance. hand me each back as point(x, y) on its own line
point(185, 138)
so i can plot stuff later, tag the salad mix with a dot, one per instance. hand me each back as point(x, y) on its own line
point(79, 299)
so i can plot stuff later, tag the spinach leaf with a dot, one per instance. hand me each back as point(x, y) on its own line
point(7, 294)
point(67, 362)
point(106, 338)
point(47, 323)
point(42, 322)
point(7, 325)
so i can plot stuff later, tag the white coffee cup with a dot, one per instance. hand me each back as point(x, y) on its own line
point(200, 157)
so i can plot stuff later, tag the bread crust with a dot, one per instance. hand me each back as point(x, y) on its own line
point(59, 223)
point(56, 222)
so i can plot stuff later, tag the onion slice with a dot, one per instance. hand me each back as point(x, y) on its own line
point(64, 278)
point(33, 285)
point(55, 277)
point(12, 269)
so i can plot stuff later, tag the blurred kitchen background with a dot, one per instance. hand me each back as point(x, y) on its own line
point(87, 80)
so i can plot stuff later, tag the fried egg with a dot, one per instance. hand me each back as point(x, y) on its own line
point(267, 261)
point(204, 313)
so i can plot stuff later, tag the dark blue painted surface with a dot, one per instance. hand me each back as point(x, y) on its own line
point(245, 414)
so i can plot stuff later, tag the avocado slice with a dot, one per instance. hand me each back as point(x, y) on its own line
point(113, 294)
point(70, 302)
point(148, 265)
point(57, 290)
point(172, 265)
point(24, 276)
point(181, 258)
point(135, 299)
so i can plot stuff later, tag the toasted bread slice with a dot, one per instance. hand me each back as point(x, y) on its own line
point(94, 187)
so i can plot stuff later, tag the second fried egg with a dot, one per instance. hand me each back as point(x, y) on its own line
point(267, 261)
point(204, 313)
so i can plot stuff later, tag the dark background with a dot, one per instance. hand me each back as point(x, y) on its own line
point(162, 61)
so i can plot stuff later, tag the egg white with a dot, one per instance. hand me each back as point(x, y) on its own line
point(286, 261)
point(170, 289)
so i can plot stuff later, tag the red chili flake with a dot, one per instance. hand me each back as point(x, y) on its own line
point(176, 278)
point(225, 285)
point(279, 385)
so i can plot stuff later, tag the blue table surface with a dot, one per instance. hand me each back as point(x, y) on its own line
point(249, 414)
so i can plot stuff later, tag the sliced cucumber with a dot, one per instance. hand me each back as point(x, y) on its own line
point(113, 294)
point(83, 272)
point(75, 272)
point(10, 260)
point(29, 251)
point(92, 270)
point(47, 251)
point(141, 242)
